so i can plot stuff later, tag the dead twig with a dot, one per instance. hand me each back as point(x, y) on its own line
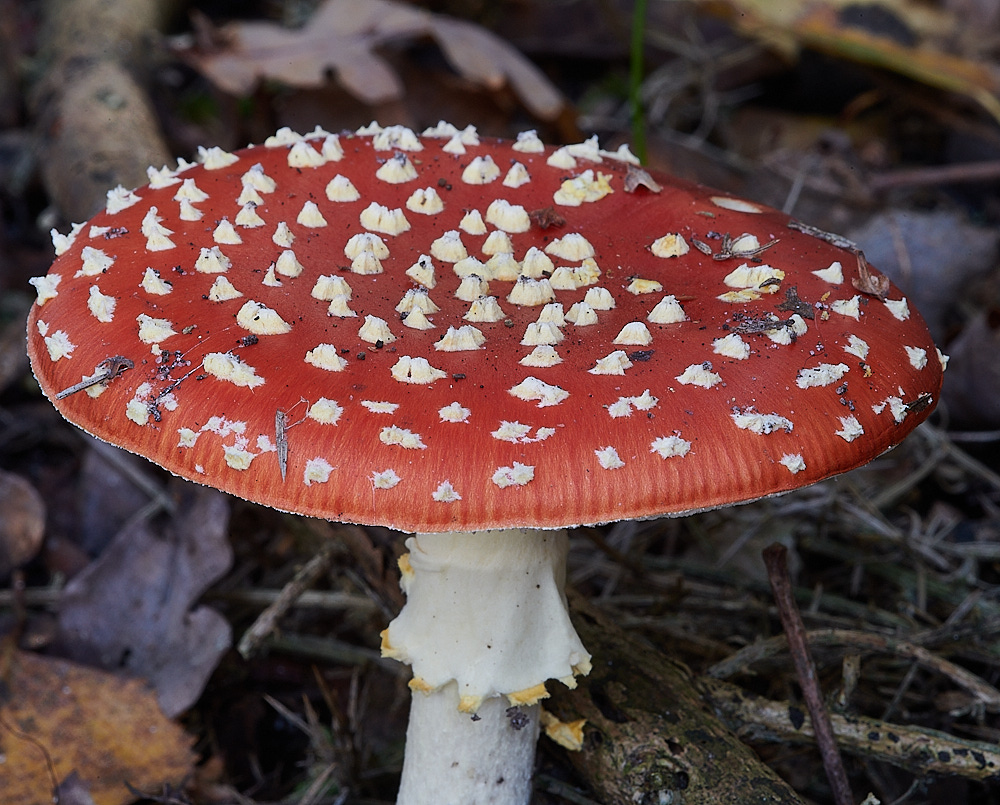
point(135, 473)
point(106, 371)
point(266, 622)
point(944, 445)
point(327, 600)
point(776, 560)
point(985, 171)
point(892, 572)
point(834, 605)
point(851, 640)
point(330, 649)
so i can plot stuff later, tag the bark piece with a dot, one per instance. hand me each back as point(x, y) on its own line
point(649, 736)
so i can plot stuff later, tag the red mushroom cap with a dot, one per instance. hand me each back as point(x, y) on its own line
point(452, 333)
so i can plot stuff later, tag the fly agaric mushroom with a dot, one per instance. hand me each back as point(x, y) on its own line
point(481, 342)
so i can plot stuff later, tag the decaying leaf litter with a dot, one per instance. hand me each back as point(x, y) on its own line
point(894, 566)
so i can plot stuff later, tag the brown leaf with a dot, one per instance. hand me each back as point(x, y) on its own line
point(868, 281)
point(105, 727)
point(131, 608)
point(108, 495)
point(902, 37)
point(343, 35)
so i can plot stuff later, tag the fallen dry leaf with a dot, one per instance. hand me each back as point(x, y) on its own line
point(343, 35)
point(107, 494)
point(867, 281)
point(903, 37)
point(131, 609)
point(106, 728)
point(777, 21)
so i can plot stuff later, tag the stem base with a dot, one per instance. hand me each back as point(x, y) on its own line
point(454, 758)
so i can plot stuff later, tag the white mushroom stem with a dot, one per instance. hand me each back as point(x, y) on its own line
point(454, 757)
point(485, 626)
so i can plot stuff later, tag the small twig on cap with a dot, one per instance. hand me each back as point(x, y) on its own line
point(281, 428)
point(750, 326)
point(728, 250)
point(775, 559)
point(282, 441)
point(701, 246)
point(106, 370)
point(830, 237)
